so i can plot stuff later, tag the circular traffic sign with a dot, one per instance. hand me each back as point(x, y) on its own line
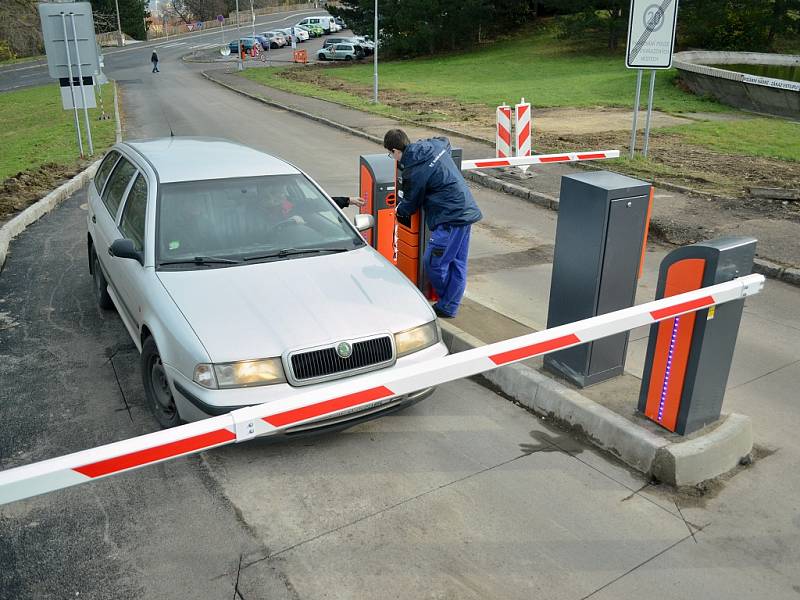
point(225, 51)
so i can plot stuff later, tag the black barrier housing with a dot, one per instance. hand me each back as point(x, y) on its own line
point(600, 237)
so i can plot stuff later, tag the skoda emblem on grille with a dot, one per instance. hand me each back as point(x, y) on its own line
point(344, 350)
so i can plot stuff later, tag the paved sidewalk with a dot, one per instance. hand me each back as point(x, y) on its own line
point(752, 546)
point(676, 215)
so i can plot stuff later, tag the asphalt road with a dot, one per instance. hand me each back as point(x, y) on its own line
point(35, 73)
point(465, 495)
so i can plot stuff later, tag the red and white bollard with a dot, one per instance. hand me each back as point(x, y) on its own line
point(503, 137)
point(522, 127)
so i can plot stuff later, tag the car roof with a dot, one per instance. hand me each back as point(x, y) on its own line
point(197, 158)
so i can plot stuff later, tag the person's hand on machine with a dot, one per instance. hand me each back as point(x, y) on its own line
point(357, 201)
point(404, 220)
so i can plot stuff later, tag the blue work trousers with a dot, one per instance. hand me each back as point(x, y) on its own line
point(446, 265)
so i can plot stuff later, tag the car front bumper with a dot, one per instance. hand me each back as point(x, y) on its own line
point(196, 402)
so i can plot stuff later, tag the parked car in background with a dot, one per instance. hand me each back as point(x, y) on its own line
point(313, 30)
point(247, 45)
point(302, 35)
point(340, 22)
point(366, 43)
point(263, 40)
point(332, 41)
point(276, 35)
point(326, 22)
point(340, 52)
point(241, 282)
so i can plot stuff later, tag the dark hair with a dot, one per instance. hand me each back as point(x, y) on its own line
point(395, 139)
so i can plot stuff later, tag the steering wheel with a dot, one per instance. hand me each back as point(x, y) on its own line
point(280, 225)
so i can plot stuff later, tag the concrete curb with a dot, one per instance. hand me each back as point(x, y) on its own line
point(35, 211)
point(684, 463)
point(788, 275)
point(707, 456)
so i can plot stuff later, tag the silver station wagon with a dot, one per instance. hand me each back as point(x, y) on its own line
point(241, 282)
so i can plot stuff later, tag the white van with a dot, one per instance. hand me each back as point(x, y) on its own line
point(325, 21)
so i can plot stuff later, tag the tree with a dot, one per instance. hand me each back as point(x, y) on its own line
point(739, 25)
point(605, 20)
point(132, 15)
point(20, 30)
point(413, 27)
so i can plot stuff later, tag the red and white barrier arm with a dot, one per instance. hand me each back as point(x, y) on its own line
point(538, 159)
point(347, 396)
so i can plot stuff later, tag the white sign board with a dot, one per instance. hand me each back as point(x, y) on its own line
point(80, 40)
point(67, 95)
point(651, 34)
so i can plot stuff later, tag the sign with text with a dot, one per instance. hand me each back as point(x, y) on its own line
point(651, 34)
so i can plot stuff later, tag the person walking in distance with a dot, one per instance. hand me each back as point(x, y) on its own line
point(154, 60)
point(428, 178)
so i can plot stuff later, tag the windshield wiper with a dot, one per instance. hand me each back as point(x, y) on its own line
point(201, 260)
point(292, 251)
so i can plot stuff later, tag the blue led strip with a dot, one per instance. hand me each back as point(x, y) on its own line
point(665, 385)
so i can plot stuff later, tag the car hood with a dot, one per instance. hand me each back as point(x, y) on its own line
point(265, 309)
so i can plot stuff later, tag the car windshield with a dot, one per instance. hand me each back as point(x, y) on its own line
point(238, 219)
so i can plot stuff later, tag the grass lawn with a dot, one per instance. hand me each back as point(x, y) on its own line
point(271, 76)
point(547, 71)
point(22, 59)
point(37, 130)
point(770, 138)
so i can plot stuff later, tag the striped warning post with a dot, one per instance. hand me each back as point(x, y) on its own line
point(522, 128)
point(346, 396)
point(503, 137)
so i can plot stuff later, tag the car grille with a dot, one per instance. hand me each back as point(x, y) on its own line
point(325, 363)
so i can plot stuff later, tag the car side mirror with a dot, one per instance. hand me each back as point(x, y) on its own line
point(364, 222)
point(124, 248)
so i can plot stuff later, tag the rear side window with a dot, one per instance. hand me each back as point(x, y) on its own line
point(133, 215)
point(103, 170)
point(117, 184)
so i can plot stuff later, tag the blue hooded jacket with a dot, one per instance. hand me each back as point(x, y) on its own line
point(428, 177)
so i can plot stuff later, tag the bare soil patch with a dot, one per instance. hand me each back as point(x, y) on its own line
point(558, 130)
point(25, 188)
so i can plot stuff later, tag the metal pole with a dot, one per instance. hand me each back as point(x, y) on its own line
point(375, 56)
point(636, 109)
point(71, 86)
point(649, 112)
point(240, 66)
point(80, 83)
point(120, 39)
point(253, 17)
point(222, 30)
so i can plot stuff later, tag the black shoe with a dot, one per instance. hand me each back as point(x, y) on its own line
point(441, 314)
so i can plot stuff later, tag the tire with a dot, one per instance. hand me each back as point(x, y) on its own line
point(321, 57)
point(348, 57)
point(156, 386)
point(100, 284)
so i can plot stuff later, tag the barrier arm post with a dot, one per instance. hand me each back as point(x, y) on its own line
point(538, 159)
point(373, 389)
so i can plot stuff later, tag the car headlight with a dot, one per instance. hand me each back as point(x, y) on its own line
point(244, 373)
point(416, 339)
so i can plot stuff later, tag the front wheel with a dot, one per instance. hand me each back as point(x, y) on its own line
point(348, 57)
point(156, 386)
point(100, 284)
point(321, 57)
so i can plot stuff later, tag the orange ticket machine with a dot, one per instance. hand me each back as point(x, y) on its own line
point(689, 356)
point(379, 185)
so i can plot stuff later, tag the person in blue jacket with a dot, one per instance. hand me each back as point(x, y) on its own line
point(428, 178)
